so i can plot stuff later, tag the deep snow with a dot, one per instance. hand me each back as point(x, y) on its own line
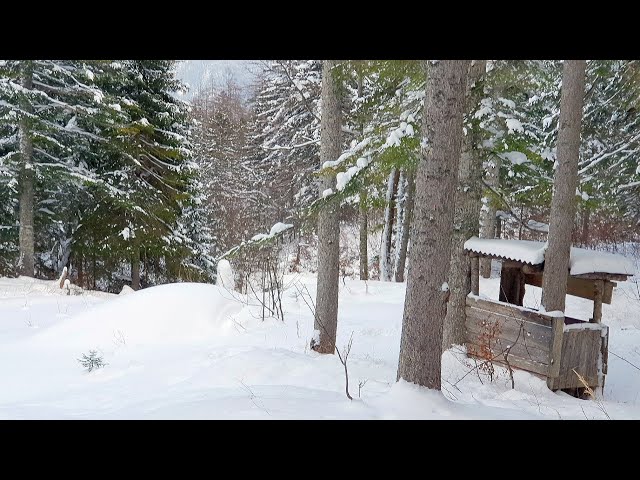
point(200, 351)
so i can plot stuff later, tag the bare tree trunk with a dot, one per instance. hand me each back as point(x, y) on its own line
point(364, 236)
point(488, 211)
point(467, 211)
point(27, 181)
point(135, 269)
point(80, 262)
point(563, 202)
point(401, 256)
point(364, 221)
point(426, 298)
point(585, 225)
point(386, 258)
point(326, 321)
point(401, 201)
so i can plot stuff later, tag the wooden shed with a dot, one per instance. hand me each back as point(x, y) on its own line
point(547, 344)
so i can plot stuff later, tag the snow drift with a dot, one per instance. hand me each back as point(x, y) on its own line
point(166, 314)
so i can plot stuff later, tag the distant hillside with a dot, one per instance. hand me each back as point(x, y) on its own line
point(199, 73)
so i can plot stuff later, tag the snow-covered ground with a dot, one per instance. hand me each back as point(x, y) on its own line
point(199, 351)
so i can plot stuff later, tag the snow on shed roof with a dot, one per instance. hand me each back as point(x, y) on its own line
point(527, 251)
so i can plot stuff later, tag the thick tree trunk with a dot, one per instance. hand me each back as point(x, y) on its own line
point(364, 236)
point(563, 203)
point(467, 211)
point(27, 181)
point(426, 298)
point(326, 321)
point(135, 270)
point(401, 258)
point(386, 257)
point(488, 211)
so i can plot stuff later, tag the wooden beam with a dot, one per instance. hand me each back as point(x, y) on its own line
point(555, 351)
point(475, 275)
point(578, 287)
point(597, 301)
point(603, 276)
point(532, 269)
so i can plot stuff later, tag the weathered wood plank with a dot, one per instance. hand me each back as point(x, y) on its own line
point(597, 300)
point(603, 276)
point(578, 287)
point(475, 275)
point(514, 361)
point(555, 351)
point(580, 351)
point(604, 349)
point(497, 345)
point(509, 311)
point(481, 322)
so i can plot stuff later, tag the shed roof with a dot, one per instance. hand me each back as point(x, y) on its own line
point(582, 261)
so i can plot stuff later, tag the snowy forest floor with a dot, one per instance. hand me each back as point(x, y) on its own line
point(198, 351)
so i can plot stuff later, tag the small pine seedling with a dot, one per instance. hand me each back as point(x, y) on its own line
point(91, 361)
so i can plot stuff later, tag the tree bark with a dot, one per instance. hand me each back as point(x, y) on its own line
point(488, 212)
point(563, 202)
point(386, 257)
point(362, 211)
point(27, 181)
point(401, 259)
point(135, 269)
point(326, 318)
point(585, 225)
point(467, 213)
point(364, 236)
point(426, 297)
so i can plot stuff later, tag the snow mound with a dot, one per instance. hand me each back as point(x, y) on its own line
point(224, 277)
point(165, 314)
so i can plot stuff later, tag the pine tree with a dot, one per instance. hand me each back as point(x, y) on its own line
point(425, 303)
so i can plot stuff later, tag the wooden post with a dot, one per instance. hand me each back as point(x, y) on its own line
point(555, 351)
point(475, 274)
point(597, 301)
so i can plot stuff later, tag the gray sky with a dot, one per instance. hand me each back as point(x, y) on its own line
point(196, 73)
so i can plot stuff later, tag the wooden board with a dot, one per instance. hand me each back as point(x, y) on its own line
point(481, 322)
point(578, 287)
point(509, 311)
point(580, 350)
point(514, 361)
point(494, 329)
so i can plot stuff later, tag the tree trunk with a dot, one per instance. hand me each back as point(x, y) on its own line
point(467, 211)
point(488, 211)
point(386, 257)
point(80, 262)
point(563, 202)
point(135, 269)
point(585, 225)
point(401, 259)
point(326, 318)
point(364, 237)
point(364, 221)
point(426, 298)
point(27, 181)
